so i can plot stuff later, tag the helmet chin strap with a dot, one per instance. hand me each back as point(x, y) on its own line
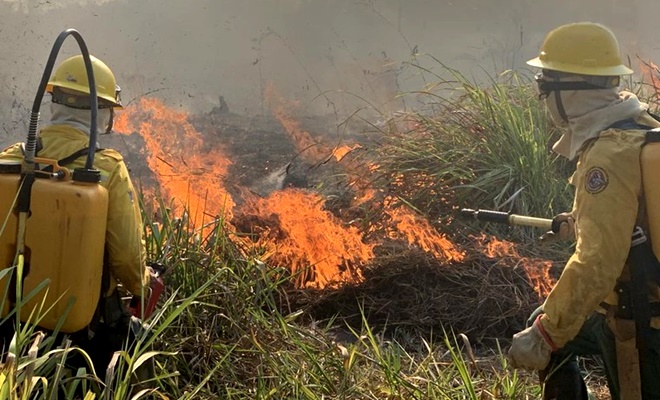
point(111, 122)
point(560, 106)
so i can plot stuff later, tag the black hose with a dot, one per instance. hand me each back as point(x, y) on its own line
point(31, 143)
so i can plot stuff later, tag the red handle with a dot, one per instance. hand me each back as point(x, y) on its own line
point(156, 288)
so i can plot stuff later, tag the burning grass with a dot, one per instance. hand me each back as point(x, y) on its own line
point(484, 297)
point(298, 233)
point(246, 338)
point(368, 232)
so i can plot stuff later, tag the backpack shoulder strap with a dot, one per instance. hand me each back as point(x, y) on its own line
point(652, 136)
point(628, 124)
point(654, 116)
point(71, 158)
point(64, 161)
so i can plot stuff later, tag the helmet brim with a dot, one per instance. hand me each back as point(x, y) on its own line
point(615, 70)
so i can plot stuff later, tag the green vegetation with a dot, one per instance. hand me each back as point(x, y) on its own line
point(477, 146)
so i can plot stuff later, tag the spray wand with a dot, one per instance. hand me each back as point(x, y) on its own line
point(501, 217)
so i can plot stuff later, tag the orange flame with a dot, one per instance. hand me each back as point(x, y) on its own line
point(414, 229)
point(308, 148)
point(340, 152)
point(418, 231)
point(651, 72)
point(311, 238)
point(537, 270)
point(187, 171)
point(293, 228)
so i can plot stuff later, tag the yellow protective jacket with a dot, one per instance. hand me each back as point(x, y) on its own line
point(608, 204)
point(125, 246)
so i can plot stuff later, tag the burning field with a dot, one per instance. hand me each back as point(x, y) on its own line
point(301, 196)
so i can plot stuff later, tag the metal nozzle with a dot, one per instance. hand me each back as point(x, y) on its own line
point(487, 215)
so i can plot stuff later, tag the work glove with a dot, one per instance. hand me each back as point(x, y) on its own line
point(566, 229)
point(531, 348)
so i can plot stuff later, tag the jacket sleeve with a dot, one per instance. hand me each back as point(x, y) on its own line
point(607, 189)
point(124, 240)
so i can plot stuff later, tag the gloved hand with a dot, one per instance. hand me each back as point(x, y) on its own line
point(566, 229)
point(531, 348)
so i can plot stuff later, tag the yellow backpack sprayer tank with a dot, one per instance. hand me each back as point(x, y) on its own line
point(52, 228)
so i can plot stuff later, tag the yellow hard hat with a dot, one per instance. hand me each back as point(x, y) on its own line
point(584, 48)
point(71, 75)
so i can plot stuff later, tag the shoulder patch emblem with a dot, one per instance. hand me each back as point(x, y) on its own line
point(596, 180)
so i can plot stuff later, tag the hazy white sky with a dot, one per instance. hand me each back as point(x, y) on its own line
point(190, 52)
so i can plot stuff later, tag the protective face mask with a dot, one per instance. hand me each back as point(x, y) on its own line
point(79, 118)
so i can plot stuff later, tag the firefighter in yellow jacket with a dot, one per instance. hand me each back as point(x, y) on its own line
point(604, 132)
point(67, 133)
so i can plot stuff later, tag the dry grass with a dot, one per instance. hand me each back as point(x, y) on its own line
point(482, 297)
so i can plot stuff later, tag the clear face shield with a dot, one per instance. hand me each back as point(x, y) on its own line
point(112, 109)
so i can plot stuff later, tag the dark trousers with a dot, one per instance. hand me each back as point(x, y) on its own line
point(106, 340)
point(112, 331)
point(563, 380)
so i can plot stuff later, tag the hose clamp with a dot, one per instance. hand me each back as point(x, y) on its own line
point(638, 236)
